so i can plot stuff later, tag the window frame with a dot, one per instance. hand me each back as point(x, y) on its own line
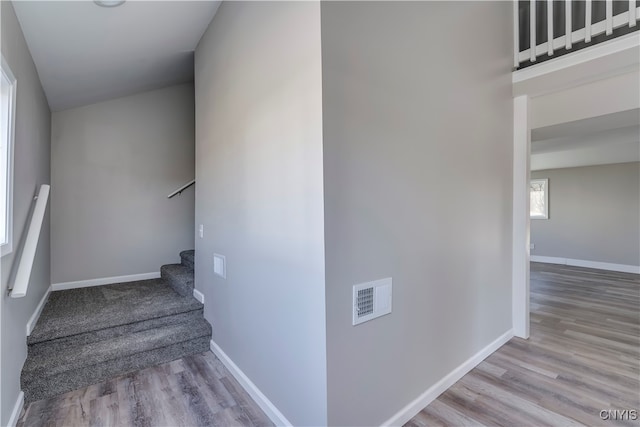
point(7, 248)
point(545, 186)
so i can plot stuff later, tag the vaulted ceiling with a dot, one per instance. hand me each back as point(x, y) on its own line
point(85, 53)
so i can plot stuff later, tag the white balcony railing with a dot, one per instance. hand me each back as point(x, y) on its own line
point(543, 27)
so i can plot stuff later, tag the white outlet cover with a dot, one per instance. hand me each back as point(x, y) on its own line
point(219, 266)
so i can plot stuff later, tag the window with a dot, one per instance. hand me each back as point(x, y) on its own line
point(7, 122)
point(539, 198)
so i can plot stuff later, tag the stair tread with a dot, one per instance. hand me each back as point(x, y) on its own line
point(187, 258)
point(39, 387)
point(82, 310)
point(114, 331)
point(179, 277)
point(178, 270)
point(79, 356)
point(190, 254)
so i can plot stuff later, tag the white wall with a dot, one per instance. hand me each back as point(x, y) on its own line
point(259, 196)
point(113, 164)
point(594, 214)
point(418, 187)
point(31, 169)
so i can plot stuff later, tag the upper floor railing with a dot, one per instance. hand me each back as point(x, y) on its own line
point(546, 28)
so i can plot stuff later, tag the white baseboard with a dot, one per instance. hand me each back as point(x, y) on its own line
point(432, 393)
point(36, 314)
point(623, 268)
point(263, 402)
point(103, 281)
point(198, 295)
point(548, 259)
point(17, 409)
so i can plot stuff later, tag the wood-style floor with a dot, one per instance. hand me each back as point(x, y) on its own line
point(192, 391)
point(582, 357)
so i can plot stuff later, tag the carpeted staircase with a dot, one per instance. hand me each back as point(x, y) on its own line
point(87, 335)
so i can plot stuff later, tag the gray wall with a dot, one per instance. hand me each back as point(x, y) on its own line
point(594, 214)
point(31, 169)
point(418, 187)
point(113, 164)
point(259, 197)
point(585, 101)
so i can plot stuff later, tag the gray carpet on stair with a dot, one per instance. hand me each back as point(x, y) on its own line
point(179, 277)
point(84, 310)
point(44, 387)
point(60, 344)
point(88, 335)
point(78, 356)
point(188, 258)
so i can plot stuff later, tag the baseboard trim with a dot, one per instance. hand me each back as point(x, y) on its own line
point(103, 281)
point(198, 295)
point(36, 314)
point(17, 409)
point(622, 268)
point(432, 393)
point(263, 402)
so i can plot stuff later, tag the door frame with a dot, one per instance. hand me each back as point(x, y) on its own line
point(521, 221)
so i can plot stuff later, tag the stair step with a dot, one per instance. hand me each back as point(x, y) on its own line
point(188, 258)
point(179, 277)
point(99, 308)
point(58, 344)
point(88, 335)
point(45, 375)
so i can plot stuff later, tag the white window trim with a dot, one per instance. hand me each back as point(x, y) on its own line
point(545, 181)
point(7, 248)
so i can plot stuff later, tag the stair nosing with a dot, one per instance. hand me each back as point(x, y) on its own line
point(90, 331)
point(34, 391)
point(181, 310)
point(70, 366)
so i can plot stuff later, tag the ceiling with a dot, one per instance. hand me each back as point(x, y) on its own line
point(85, 53)
point(608, 139)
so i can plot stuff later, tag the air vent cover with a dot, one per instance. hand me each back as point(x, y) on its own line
point(364, 302)
point(371, 300)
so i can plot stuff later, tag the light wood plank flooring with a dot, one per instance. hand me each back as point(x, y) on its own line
point(582, 357)
point(192, 391)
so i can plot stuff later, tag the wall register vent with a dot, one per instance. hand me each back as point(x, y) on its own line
point(371, 300)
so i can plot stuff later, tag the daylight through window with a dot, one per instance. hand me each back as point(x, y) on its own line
point(7, 120)
point(539, 199)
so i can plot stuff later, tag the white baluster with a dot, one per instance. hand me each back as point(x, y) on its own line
point(632, 13)
point(532, 28)
point(516, 34)
point(567, 23)
point(550, 27)
point(587, 21)
point(609, 4)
